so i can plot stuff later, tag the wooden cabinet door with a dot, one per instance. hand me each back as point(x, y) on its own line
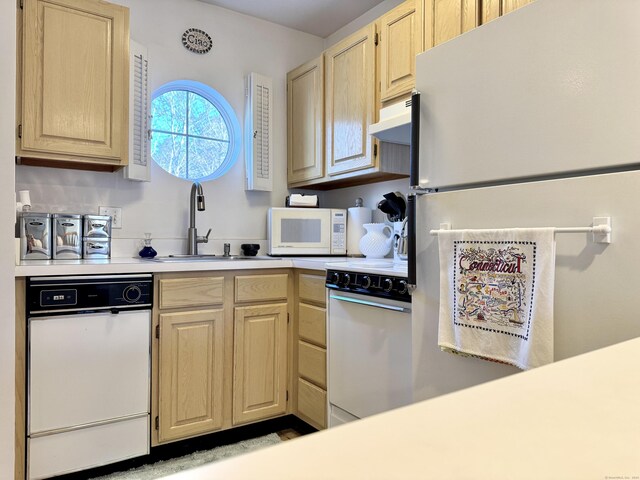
point(191, 360)
point(400, 40)
point(75, 77)
point(305, 122)
point(492, 9)
point(350, 102)
point(260, 362)
point(446, 19)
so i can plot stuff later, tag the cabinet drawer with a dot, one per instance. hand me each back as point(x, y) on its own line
point(311, 288)
point(312, 324)
point(312, 403)
point(312, 363)
point(188, 292)
point(257, 288)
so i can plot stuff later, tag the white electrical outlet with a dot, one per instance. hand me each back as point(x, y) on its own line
point(116, 215)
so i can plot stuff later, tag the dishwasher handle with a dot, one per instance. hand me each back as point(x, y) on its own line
point(370, 303)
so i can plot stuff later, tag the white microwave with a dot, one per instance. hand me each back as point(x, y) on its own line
point(307, 231)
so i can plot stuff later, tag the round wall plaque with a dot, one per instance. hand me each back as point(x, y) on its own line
point(196, 40)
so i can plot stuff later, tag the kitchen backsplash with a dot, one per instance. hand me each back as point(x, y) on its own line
point(370, 194)
point(161, 207)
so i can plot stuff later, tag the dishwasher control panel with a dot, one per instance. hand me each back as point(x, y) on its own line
point(82, 293)
point(64, 297)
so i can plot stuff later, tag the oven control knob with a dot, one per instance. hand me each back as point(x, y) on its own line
point(366, 281)
point(345, 280)
point(132, 293)
point(402, 286)
point(334, 278)
point(387, 284)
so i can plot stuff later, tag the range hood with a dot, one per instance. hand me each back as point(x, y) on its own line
point(395, 124)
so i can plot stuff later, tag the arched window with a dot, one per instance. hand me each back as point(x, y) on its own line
point(195, 133)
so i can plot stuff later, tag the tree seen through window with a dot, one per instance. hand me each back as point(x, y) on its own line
point(194, 131)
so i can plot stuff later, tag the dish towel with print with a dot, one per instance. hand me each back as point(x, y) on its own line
point(496, 294)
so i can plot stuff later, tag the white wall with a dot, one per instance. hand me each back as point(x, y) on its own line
point(241, 44)
point(7, 218)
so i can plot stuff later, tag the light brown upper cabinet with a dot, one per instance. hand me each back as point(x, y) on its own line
point(305, 122)
point(350, 102)
point(73, 84)
point(400, 39)
point(446, 19)
point(492, 9)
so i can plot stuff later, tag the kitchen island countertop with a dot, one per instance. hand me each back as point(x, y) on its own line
point(575, 419)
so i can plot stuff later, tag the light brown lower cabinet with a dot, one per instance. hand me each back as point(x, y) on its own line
point(191, 365)
point(260, 362)
point(310, 340)
point(221, 353)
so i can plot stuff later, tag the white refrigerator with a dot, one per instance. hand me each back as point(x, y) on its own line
point(532, 120)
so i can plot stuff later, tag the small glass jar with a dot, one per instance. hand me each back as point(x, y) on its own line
point(147, 251)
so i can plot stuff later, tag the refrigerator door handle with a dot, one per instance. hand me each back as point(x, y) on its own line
point(414, 182)
point(411, 241)
point(414, 147)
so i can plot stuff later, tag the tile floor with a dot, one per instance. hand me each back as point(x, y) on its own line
point(289, 433)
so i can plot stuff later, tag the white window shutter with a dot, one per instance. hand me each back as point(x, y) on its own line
point(139, 167)
point(258, 133)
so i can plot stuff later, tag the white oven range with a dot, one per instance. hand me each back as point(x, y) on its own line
point(369, 340)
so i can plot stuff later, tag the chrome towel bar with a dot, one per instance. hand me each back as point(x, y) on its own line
point(601, 229)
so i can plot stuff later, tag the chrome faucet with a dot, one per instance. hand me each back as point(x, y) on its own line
point(196, 199)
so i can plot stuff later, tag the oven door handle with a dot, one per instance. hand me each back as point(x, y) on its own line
point(369, 303)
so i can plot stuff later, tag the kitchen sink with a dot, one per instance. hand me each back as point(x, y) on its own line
point(207, 258)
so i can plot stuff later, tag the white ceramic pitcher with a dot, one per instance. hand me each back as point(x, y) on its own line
point(376, 243)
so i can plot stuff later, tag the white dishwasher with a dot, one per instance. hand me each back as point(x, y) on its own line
point(88, 371)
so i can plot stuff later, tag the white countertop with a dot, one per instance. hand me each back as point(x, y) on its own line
point(575, 419)
point(28, 268)
point(32, 268)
